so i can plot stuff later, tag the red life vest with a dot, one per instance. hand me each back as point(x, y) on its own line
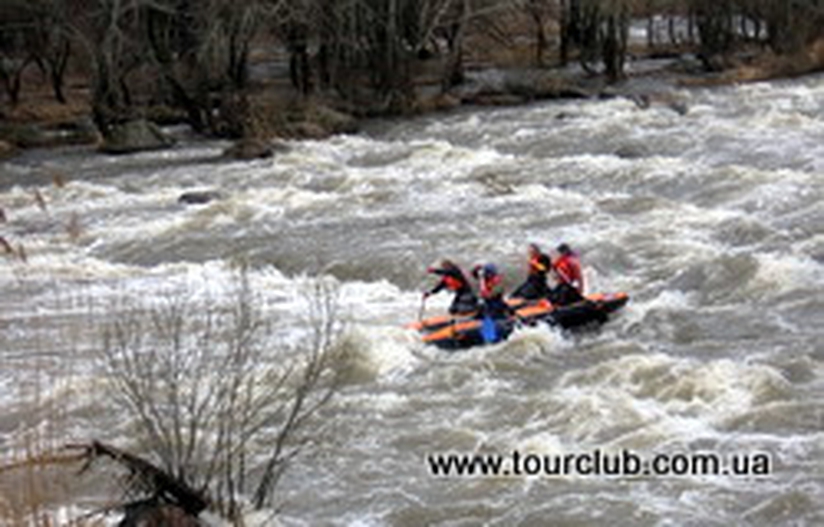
point(452, 283)
point(492, 286)
point(569, 271)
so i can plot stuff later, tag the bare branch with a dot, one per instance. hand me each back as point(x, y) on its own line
point(208, 392)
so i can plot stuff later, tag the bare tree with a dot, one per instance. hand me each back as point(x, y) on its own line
point(791, 24)
point(373, 44)
point(785, 26)
point(212, 401)
point(571, 27)
point(654, 10)
point(52, 41)
point(16, 26)
point(110, 32)
point(600, 30)
point(714, 21)
point(539, 11)
point(202, 50)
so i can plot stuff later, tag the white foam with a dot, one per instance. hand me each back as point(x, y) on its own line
point(782, 272)
point(661, 398)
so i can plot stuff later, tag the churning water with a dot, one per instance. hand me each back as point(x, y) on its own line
point(712, 220)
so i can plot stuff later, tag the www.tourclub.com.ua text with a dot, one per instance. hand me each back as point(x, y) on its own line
point(597, 463)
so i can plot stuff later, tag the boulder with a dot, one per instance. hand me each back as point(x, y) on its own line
point(671, 101)
point(135, 136)
point(199, 197)
point(307, 130)
point(630, 151)
point(517, 86)
point(679, 107)
point(333, 121)
point(249, 148)
point(438, 102)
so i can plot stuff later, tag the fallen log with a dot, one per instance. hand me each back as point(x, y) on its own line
point(164, 488)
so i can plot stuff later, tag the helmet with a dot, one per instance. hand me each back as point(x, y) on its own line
point(564, 249)
point(490, 269)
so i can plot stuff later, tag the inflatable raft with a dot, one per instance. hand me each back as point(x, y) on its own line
point(465, 331)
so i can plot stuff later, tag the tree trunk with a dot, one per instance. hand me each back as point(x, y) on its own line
point(673, 37)
point(453, 74)
point(300, 73)
point(612, 50)
point(571, 27)
point(57, 71)
point(564, 23)
point(540, 37)
point(12, 77)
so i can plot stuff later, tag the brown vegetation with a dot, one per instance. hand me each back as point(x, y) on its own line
point(268, 68)
point(37, 481)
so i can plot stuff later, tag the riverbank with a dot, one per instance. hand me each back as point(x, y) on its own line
point(279, 113)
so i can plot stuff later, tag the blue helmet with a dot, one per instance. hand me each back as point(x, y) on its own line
point(490, 269)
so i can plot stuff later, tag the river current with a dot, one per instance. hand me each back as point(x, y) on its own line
point(711, 219)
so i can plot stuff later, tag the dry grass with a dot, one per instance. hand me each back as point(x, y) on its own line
point(37, 487)
point(41, 109)
point(38, 104)
point(768, 66)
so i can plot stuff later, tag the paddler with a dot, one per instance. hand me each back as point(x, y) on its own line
point(535, 285)
point(453, 279)
point(567, 270)
point(491, 288)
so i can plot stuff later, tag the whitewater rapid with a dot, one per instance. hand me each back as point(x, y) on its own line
point(712, 220)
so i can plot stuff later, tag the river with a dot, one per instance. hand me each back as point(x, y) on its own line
point(712, 220)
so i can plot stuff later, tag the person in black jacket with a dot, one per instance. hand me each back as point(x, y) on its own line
point(454, 280)
point(535, 286)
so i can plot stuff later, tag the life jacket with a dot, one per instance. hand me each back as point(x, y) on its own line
point(538, 264)
point(492, 286)
point(453, 283)
point(568, 269)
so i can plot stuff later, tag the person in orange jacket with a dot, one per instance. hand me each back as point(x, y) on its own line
point(454, 280)
point(535, 285)
point(567, 269)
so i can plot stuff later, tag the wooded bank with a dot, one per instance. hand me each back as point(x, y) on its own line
point(262, 68)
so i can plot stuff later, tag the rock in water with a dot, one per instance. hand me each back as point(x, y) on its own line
point(199, 197)
point(248, 149)
point(135, 136)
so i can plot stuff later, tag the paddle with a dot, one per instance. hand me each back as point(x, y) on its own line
point(423, 308)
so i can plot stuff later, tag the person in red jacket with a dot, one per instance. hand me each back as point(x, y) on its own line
point(567, 268)
point(535, 285)
point(454, 280)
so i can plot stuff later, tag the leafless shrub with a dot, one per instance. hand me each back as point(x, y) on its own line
point(213, 403)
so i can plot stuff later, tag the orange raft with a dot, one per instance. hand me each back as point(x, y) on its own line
point(464, 331)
